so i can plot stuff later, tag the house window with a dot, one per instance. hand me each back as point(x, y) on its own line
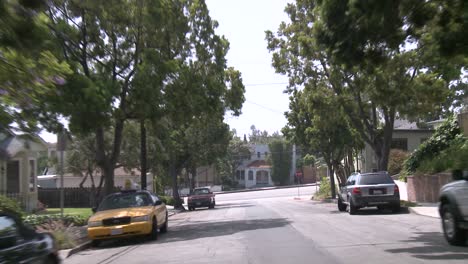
point(32, 175)
point(250, 175)
point(243, 175)
point(400, 143)
point(258, 154)
point(266, 154)
point(238, 175)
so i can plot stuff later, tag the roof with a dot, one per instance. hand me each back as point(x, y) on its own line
point(258, 164)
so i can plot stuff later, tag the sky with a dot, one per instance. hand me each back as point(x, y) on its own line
point(243, 23)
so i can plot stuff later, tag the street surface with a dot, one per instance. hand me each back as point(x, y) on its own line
point(275, 226)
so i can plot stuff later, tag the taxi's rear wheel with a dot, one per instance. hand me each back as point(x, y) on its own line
point(95, 243)
point(164, 227)
point(154, 230)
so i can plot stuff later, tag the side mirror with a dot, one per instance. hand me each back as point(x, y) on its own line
point(158, 202)
point(94, 209)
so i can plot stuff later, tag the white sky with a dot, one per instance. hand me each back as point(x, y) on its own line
point(243, 23)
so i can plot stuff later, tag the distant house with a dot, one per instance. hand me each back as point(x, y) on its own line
point(255, 172)
point(407, 136)
point(18, 167)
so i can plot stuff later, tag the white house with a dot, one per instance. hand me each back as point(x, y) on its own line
point(255, 172)
point(18, 167)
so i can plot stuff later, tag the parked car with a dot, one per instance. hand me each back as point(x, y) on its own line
point(369, 189)
point(128, 213)
point(20, 243)
point(201, 197)
point(453, 209)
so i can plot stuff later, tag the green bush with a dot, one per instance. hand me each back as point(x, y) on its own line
point(325, 189)
point(454, 158)
point(10, 206)
point(396, 160)
point(441, 140)
point(37, 220)
point(168, 200)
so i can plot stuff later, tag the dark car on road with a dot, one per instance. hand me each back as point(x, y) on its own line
point(367, 190)
point(20, 243)
point(201, 197)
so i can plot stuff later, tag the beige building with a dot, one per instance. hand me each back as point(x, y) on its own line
point(407, 136)
point(18, 167)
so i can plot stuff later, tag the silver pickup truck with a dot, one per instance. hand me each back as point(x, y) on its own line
point(453, 209)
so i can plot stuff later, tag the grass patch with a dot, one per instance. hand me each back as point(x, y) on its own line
point(407, 203)
point(85, 212)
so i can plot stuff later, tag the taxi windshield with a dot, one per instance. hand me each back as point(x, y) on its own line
point(124, 200)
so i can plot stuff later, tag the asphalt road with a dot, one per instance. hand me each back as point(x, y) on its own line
point(276, 227)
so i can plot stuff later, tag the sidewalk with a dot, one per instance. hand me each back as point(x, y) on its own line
point(426, 209)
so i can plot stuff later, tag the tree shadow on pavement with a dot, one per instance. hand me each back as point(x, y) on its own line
point(375, 211)
point(203, 229)
point(227, 205)
point(434, 247)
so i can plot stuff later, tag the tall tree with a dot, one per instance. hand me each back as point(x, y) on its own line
point(237, 152)
point(280, 158)
point(325, 130)
point(387, 80)
point(28, 68)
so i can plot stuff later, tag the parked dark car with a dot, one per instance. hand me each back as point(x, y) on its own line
point(20, 243)
point(201, 197)
point(367, 190)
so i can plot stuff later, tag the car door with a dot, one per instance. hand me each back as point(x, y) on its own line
point(461, 192)
point(160, 210)
point(349, 187)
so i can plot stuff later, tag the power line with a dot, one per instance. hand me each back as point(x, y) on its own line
point(264, 107)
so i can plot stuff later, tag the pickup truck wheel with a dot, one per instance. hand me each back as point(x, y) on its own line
point(453, 234)
point(212, 205)
point(352, 208)
point(341, 206)
point(163, 229)
point(154, 230)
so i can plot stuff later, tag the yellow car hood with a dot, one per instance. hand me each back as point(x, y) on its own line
point(122, 212)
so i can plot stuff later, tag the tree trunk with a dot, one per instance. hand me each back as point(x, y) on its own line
point(175, 186)
point(143, 153)
point(332, 181)
point(194, 178)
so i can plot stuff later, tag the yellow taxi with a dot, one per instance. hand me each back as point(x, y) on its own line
point(128, 213)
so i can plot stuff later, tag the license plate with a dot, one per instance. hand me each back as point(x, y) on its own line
point(377, 192)
point(116, 231)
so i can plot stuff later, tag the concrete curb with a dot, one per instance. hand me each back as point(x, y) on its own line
point(414, 211)
point(266, 188)
point(87, 244)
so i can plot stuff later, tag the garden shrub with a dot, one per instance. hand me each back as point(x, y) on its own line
point(441, 140)
point(10, 206)
point(396, 161)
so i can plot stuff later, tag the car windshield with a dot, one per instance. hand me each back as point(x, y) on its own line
point(201, 191)
point(370, 179)
point(124, 200)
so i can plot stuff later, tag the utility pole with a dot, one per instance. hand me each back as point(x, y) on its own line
point(61, 146)
point(293, 166)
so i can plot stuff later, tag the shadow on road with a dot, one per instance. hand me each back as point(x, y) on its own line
point(213, 229)
point(374, 211)
point(227, 205)
point(434, 247)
